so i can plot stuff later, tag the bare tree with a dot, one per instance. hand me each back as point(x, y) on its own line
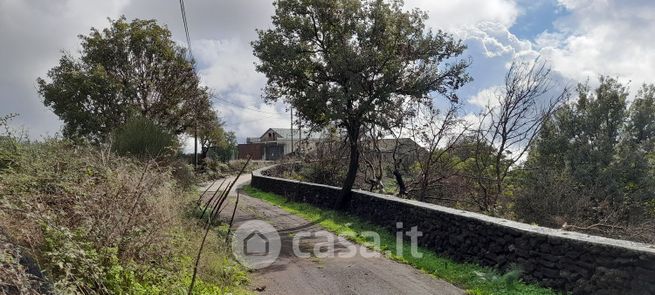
point(374, 161)
point(436, 132)
point(510, 124)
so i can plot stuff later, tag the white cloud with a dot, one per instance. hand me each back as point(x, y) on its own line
point(575, 4)
point(487, 22)
point(487, 97)
point(455, 16)
point(603, 38)
point(229, 65)
point(33, 35)
point(497, 40)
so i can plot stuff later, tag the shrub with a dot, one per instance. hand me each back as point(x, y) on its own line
point(325, 172)
point(15, 277)
point(76, 265)
point(142, 138)
point(87, 214)
point(183, 174)
point(98, 223)
point(8, 152)
point(218, 166)
point(8, 144)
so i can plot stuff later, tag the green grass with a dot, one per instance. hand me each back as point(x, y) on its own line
point(218, 272)
point(473, 278)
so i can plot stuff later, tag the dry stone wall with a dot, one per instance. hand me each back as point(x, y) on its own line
point(565, 261)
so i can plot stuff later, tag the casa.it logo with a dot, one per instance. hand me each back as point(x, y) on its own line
point(256, 244)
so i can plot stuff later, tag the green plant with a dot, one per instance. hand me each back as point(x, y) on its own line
point(129, 67)
point(183, 174)
point(513, 275)
point(98, 223)
point(142, 138)
point(8, 145)
point(77, 266)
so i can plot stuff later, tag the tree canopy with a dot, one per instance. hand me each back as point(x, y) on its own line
point(594, 159)
point(353, 63)
point(216, 142)
point(128, 68)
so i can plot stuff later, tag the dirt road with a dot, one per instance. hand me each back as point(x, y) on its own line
point(291, 274)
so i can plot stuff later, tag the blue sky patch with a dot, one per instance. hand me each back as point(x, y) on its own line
point(536, 17)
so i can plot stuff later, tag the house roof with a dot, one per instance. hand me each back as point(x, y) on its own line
point(287, 133)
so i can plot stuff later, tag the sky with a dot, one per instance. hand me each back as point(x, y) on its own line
point(580, 39)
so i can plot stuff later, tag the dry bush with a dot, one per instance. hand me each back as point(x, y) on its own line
point(16, 277)
point(85, 214)
point(556, 201)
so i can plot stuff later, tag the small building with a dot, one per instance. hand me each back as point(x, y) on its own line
point(276, 143)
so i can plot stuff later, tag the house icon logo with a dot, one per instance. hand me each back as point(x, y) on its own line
point(256, 244)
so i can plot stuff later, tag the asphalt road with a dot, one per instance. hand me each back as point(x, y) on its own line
point(359, 274)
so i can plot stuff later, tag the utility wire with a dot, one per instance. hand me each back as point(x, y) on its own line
point(188, 41)
point(195, 129)
point(186, 29)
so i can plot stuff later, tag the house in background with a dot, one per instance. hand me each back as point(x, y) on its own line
point(277, 142)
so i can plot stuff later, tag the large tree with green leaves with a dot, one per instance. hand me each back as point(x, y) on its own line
point(128, 68)
point(215, 140)
point(592, 165)
point(353, 63)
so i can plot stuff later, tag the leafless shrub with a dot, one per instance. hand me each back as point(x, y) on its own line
point(437, 133)
point(556, 201)
point(509, 125)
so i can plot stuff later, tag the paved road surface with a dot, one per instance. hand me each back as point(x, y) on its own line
point(290, 274)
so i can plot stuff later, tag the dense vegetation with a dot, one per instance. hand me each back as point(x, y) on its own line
point(592, 166)
point(87, 221)
point(589, 167)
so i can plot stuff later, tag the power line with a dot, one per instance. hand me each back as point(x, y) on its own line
point(186, 29)
point(188, 43)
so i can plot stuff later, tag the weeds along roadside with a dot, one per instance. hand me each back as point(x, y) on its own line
point(97, 223)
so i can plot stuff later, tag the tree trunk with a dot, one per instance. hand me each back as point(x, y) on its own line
point(424, 186)
point(202, 159)
point(402, 190)
point(346, 190)
point(425, 177)
point(203, 153)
